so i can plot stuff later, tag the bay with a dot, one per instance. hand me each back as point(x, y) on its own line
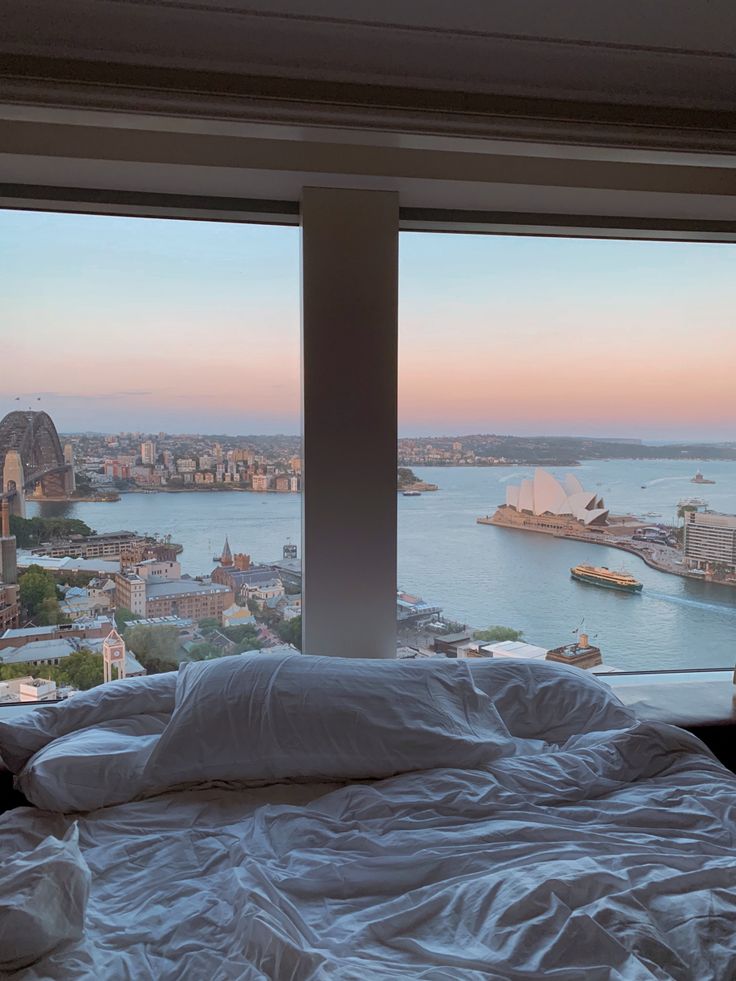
point(481, 574)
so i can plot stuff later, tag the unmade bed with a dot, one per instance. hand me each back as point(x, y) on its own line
point(295, 818)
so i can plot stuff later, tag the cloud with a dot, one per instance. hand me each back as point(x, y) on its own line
point(88, 396)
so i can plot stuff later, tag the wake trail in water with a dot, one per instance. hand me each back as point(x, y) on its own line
point(664, 480)
point(682, 601)
point(512, 476)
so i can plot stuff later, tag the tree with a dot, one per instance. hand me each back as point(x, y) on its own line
point(244, 634)
point(203, 652)
point(208, 624)
point(124, 616)
point(497, 634)
point(49, 612)
point(82, 670)
point(10, 671)
point(30, 532)
point(155, 647)
point(38, 595)
point(290, 631)
point(406, 477)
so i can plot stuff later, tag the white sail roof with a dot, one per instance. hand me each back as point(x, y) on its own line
point(549, 495)
point(546, 495)
point(526, 496)
point(572, 484)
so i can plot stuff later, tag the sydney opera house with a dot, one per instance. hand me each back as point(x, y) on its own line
point(545, 504)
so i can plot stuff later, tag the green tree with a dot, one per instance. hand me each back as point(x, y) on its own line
point(10, 671)
point(38, 595)
point(30, 532)
point(208, 624)
point(203, 652)
point(82, 670)
point(406, 477)
point(244, 634)
point(155, 647)
point(49, 612)
point(124, 616)
point(497, 634)
point(290, 631)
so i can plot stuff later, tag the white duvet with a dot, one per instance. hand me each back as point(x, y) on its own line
point(611, 855)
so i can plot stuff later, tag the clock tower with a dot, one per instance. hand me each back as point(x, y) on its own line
point(113, 653)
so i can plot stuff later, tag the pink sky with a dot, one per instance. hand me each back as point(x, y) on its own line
point(132, 324)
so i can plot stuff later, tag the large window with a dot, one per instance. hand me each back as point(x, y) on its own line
point(149, 443)
point(572, 402)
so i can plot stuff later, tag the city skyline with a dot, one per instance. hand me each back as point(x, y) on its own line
point(122, 324)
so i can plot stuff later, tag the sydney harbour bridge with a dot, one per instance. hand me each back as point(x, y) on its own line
point(32, 460)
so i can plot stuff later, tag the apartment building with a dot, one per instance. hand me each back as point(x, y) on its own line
point(710, 539)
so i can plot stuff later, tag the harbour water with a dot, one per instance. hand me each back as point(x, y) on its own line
point(482, 574)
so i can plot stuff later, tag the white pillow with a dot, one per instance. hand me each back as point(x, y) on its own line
point(549, 701)
point(261, 718)
point(93, 767)
point(43, 899)
point(21, 738)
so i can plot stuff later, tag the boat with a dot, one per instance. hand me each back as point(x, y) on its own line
point(700, 479)
point(608, 578)
point(412, 493)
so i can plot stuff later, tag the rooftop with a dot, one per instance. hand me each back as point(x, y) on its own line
point(517, 649)
point(89, 623)
point(170, 621)
point(181, 587)
point(67, 564)
point(37, 650)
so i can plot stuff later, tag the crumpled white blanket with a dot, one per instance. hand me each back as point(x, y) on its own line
point(610, 859)
point(43, 898)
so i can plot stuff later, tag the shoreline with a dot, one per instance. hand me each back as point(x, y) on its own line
point(641, 552)
point(649, 560)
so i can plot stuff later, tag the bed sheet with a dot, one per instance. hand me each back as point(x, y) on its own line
point(614, 858)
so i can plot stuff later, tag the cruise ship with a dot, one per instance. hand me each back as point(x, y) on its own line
point(602, 576)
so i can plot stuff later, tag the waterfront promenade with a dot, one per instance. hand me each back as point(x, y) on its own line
point(663, 558)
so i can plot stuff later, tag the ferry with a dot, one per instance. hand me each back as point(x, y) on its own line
point(700, 479)
point(602, 576)
point(412, 493)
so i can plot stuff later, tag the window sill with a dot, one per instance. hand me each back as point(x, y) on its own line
point(683, 698)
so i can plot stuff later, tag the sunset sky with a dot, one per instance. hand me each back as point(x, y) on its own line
point(133, 324)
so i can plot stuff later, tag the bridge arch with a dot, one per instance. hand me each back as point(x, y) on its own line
point(33, 436)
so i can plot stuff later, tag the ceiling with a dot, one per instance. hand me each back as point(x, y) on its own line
point(674, 53)
point(479, 108)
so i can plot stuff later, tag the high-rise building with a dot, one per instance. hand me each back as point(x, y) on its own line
point(710, 538)
point(148, 452)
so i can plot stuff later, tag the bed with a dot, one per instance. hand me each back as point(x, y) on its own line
point(293, 818)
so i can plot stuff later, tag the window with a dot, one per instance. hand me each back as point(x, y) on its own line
point(150, 443)
point(566, 418)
